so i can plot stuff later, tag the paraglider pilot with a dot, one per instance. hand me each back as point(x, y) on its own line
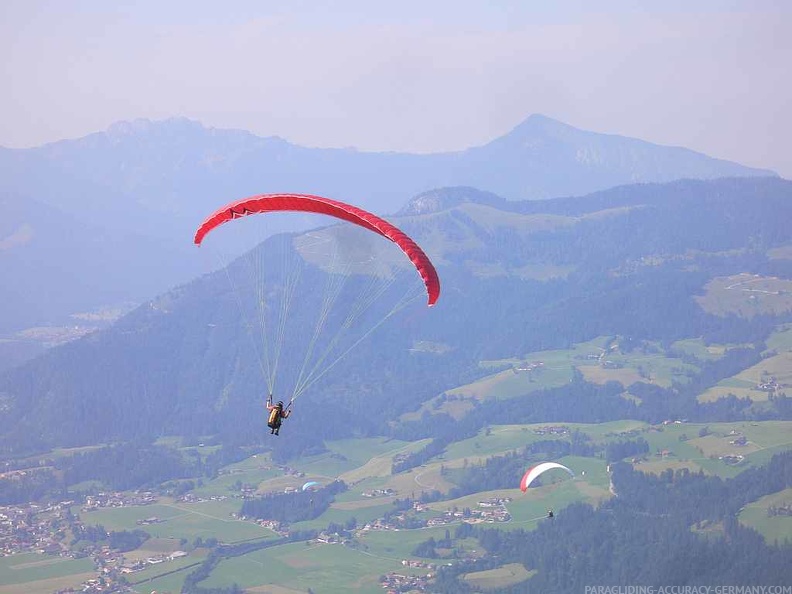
point(276, 414)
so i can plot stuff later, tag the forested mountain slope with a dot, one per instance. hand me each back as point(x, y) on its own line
point(141, 188)
point(517, 277)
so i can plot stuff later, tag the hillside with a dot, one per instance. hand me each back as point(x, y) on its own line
point(140, 189)
point(517, 278)
point(56, 264)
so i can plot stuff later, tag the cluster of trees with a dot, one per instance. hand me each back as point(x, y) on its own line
point(126, 466)
point(293, 507)
point(619, 450)
point(428, 548)
point(34, 485)
point(120, 467)
point(123, 540)
point(426, 453)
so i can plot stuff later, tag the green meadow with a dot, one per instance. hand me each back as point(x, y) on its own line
point(774, 528)
point(32, 573)
point(183, 520)
point(367, 463)
point(329, 568)
point(500, 577)
point(721, 449)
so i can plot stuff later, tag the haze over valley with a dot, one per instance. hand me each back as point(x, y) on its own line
point(555, 357)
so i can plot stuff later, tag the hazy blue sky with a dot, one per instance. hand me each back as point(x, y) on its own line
point(407, 75)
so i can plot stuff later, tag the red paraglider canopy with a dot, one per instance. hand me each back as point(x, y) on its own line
point(317, 204)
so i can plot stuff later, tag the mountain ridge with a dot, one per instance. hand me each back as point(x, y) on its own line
point(157, 180)
point(627, 263)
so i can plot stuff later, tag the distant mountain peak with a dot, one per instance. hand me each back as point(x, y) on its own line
point(538, 121)
point(145, 126)
point(445, 198)
point(536, 129)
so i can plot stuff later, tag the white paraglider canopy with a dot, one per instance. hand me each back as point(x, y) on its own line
point(535, 471)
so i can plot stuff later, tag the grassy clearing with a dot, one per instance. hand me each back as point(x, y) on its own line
point(155, 546)
point(168, 582)
point(331, 569)
point(746, 295)
point(773, 528)
point(745, 384)
point(412, 482)
point(225, 483)
point(207, 520)
point(346, 455)
point(714, 446)
point(511, 383)
point(48, 585)
point(660, 466)
point(251, 471)
point(472, 500)
point(683, 444)
point(279, 483)
point(143, 579)
point(499, 440)
point(28, 568)
point(708, 529)
point(780, 253)
point(398, 545)
point(638, 366)
point(781, 340)
point(171, 583)
point(362, 503)
point(500, 577)
point(590, 471)
point(273, 589)
point(125, 518)
point(600, 375)
point(360, 450)
point(86, 486)
point(380, 465)
point(529, 508)
point(341, 516)
point(697, 348)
